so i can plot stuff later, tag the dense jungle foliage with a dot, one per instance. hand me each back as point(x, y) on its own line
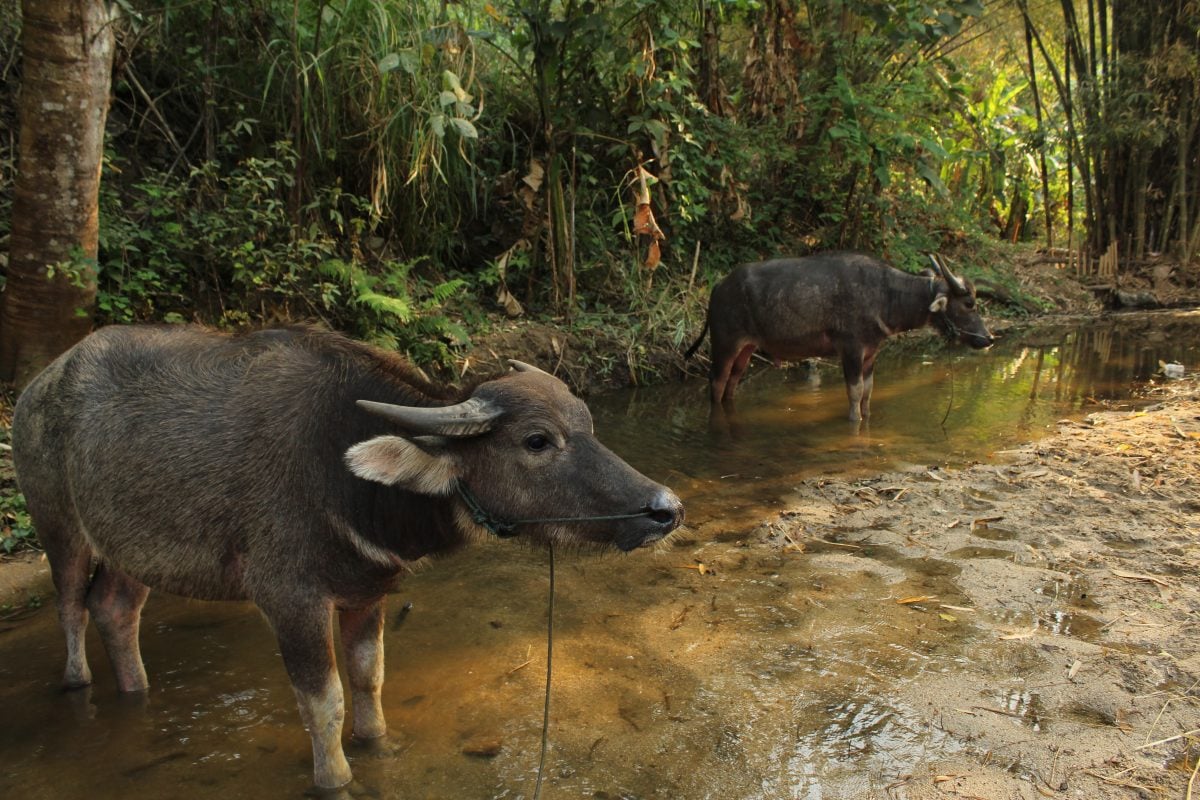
point(413, 171)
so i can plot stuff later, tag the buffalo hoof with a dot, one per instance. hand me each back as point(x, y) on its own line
point(350, 791)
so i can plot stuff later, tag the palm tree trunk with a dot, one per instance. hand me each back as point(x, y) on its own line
point(50, 291)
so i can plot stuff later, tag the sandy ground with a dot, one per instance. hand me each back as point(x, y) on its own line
point(1080, 554)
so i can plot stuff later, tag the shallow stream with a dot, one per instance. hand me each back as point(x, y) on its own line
point(763, 679)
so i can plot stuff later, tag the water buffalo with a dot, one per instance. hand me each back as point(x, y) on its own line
point(842, 304)
point(303, 471)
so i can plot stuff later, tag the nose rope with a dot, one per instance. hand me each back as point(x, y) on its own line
point(505, 528)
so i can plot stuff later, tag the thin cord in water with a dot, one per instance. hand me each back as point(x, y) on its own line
point(950, 402)
point(537, 789)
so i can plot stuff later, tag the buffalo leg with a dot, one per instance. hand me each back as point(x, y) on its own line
point(852, 370)
point(70, 556)
point(71, 568)
point(305, 636)
point(868, 384)
point(115, 601)
point(719, 376)
point(737, 370)
point(725, 351)
point(362, 641)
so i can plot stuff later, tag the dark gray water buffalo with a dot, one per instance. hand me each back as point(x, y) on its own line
point(842, 304)
point(303, 471)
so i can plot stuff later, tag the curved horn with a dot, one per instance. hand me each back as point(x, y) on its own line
point(468, 418)
point(937, 268)
point(955, 282)
point(521, 366)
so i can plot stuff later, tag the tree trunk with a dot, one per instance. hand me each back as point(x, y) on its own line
point(50, 292)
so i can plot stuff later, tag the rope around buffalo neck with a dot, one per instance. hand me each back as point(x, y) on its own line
point(506, 528)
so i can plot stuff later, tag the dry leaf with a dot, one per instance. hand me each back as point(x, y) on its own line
point(1074, 669)
point(982, 522)
point(1024, 635)
point(653, 256)
point(920, 598)
point(512, 306)
point(1135, 576)
point(536, 174)
point(947, 617)
point(643, 219)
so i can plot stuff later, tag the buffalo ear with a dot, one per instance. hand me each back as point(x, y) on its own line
point(939, 304)
point(424, 468)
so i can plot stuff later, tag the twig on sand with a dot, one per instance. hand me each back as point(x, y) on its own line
point(1183, 735)
point(1112, 781)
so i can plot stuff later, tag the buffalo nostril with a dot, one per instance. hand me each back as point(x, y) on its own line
point(665, 509)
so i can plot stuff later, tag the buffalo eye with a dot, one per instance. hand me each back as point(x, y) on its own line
point(537, 442)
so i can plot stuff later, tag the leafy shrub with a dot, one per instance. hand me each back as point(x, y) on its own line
point(224, 246)
point(16, 528)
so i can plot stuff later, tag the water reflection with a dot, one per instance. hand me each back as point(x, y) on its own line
point(931, 404)
point(768, 675)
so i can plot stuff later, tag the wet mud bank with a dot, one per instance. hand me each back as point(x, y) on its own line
point(1063, 573)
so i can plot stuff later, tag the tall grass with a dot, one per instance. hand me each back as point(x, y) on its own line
point(384, 96)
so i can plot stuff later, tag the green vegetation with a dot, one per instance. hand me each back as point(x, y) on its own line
point(409, 172)
point(16, 529)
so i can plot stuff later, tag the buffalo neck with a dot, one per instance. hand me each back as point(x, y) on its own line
point(401, 522)
point(906, 302)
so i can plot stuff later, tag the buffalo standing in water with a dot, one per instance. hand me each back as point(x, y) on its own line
point(300, 470)
point(835, 304)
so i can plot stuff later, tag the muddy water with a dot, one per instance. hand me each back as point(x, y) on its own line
point(765, 676)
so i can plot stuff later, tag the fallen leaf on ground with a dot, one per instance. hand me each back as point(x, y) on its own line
point(1023, 635)
point(1137, 576)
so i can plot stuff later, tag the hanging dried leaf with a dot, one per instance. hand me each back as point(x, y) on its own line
point(653, 256)
point(512, 306)
point(536, 175)
point(643, 221)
